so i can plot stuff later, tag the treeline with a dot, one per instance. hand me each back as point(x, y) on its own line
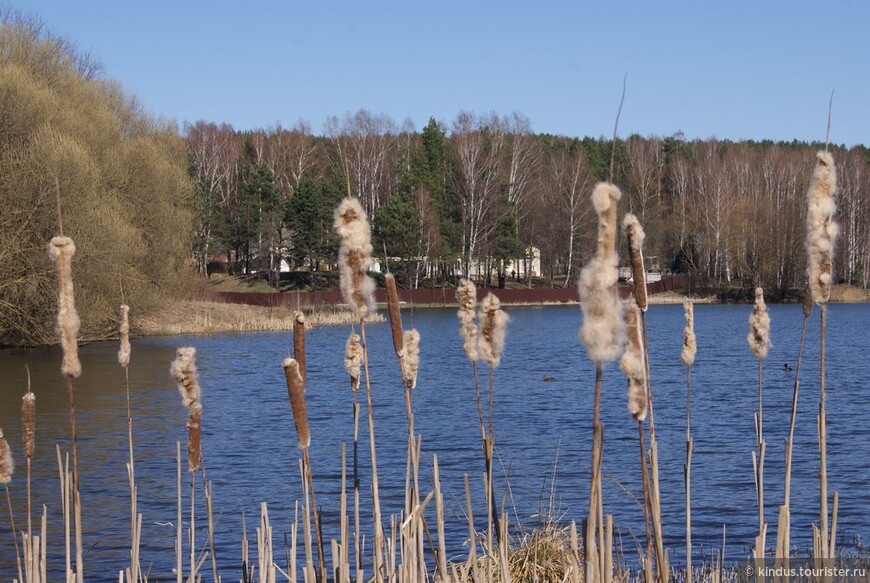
point(467, 196)
point(67, 134)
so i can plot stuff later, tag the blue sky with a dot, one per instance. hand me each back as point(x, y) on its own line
point(732, 69)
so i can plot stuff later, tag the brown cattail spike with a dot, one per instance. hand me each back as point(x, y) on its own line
point(7, 466)
point(124, 334)
point(395, 314)
point(411, 361)
point(28, 420)
point(61, 251)
point(759, 326)
point(493, 326)
point(296, 390)
point(353, 359)
point(194, 437)
point(466, 293)
point(355, 257)
point(821, 228)
point(299, 343)
point(633, 229)
point(690, 344)
point(602, 331)
point(632, 364)
point(183, 370)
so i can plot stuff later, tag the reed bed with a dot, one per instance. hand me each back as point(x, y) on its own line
point(409, 544)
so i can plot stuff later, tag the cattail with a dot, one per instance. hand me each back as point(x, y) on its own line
point(28, 420)
point(353, 359)
point(466, 293)
point(690, 344)
point(395, 314)
point(7, 466)
point(493, 325)
point(124, 333)
point(299, 343)
point(183, 370)
point(602, 330)
point(632, 364)
point(61, 251)
point(636, 236)
point(296, 390)
point(355, 257)
point(759, 326)
point(194, 436)
point(411, 362)
point(821, 228)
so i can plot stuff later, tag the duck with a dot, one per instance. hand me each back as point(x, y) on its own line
point(786, 367)
point(549, 379)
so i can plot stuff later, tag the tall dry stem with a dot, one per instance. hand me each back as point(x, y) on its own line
point(687, 355)
point(759, 343)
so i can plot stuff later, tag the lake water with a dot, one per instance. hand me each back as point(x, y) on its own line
point(542, 430)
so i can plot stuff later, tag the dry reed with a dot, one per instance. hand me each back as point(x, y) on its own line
point(194, 437)
point(634, 232)
point(355, 257)
point(632, 364)
point(759, 326)
point(687, 355)
point(690, 343)
point(759, 344)
point(353, 359)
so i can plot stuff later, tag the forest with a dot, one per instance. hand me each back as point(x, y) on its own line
point(483, 189)
point(149, 204)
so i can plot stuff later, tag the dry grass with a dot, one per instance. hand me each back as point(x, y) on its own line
point(215, 317)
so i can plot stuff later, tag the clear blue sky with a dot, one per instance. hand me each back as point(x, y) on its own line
point(732, 69)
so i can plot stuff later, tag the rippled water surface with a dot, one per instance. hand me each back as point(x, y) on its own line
point(543, 430)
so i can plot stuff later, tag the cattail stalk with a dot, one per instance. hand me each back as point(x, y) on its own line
point(466, 294)
point(690, 348)
point(602, 334)
point(352, 362)
point(395, 314)
point(61, 250)
point(759, 343)
point(7, 467)
point(124, 351)
point(28, 422)
point(296, 392)
point(821, 235)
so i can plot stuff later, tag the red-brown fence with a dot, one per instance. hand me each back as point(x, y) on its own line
point(436, 296)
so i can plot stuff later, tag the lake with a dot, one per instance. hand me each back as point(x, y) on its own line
point(542, 431)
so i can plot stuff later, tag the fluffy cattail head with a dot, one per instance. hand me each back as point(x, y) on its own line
point(690, 344)
point(395, 313)
point(602, 331)
point(759, 326)
point(183, 370)
point(466, 293)
point(493, 326)
point(61, 251)
point(194, 437)
point(355, 257)
point(821, 228)
point(28, 421)
point(411, 361)
point(296, 390)
point(353, 359)
point(124, 334)
point(636, 236)
point(632, 364)
point(299, 343)
point(7, 466)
